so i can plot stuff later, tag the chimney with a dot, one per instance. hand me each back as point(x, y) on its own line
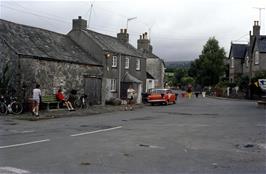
point(144, 43)
point(123, 36)
point(79, 24)
point(256, 28)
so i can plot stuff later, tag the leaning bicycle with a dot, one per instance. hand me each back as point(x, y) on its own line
point(10, 105)
point(81, 102)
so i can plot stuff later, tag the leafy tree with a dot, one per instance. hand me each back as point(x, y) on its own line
point(209, 67)
point(180, 73)
point(187, 80)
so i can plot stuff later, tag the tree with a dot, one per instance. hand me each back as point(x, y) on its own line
point(209, 67)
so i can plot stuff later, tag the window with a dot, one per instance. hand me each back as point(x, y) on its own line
point(257, 58)
point(114, 62)
point(113, 84)
point(138, 64)
point(232, 62)
point(127, 63)
point(247, 61)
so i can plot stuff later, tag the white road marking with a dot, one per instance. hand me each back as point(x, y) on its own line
point(23, 144)
point(22, 132)
point(12, 170)
point(92, 132)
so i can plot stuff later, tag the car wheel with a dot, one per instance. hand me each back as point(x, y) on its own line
point(152, 104)
point(174, 102)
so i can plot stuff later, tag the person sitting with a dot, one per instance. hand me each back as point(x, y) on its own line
point(60, 96)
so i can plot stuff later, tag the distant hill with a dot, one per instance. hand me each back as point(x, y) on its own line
point(178, 64)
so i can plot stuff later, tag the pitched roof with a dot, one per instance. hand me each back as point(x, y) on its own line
point(112, 44)
point(238, 50)
point(262, 44)
point(128, 78)
point(32, 41)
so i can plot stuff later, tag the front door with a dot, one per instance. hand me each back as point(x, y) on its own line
point(93, 87)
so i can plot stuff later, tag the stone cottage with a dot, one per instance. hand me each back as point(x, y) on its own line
point(122, 64)
point(256, 56)
point(155, 66)
point(51, 59)
point(254, 53)
point(236, 59)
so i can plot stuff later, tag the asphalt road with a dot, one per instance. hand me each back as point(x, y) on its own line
point(202, 135)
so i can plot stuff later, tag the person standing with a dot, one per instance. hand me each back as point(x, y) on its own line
point(36, 100)
point(130, 97)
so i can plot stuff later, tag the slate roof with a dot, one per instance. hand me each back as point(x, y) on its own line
point(112, 44)
point(262, 44)
point(36, 42)
point(238, 50)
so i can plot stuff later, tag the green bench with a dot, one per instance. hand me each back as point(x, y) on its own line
point(50, 99)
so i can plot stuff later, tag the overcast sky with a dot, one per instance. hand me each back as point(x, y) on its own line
point(178, 28)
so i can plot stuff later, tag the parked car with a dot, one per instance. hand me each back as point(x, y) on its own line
point(161, 96)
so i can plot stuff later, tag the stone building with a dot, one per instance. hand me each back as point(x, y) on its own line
point(122, 64)
point(236, 59)
point(154, 65)
point(256, 55)
point(248, 59)
point(51, 59)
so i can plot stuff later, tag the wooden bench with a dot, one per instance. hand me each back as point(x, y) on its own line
point(50, 99)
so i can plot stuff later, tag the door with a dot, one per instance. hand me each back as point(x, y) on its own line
point(93, 88)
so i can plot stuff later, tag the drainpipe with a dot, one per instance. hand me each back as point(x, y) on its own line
point(119, 75)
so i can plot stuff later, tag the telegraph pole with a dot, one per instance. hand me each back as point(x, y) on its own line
point(90, 14)
point(130, 19)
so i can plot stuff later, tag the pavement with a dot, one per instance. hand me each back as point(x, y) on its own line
point(63, 112)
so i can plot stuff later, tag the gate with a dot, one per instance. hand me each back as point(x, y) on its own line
point(93, 88)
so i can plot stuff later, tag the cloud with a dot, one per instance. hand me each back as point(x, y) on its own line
point(178, 29)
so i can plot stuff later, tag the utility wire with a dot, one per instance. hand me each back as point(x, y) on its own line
point(99, 27)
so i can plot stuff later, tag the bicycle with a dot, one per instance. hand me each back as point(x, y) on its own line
point(81, 102)
point(10, 105)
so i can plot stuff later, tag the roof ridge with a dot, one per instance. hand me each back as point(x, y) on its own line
point(33, 27)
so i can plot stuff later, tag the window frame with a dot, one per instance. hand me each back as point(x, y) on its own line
point(138, 65)
point(127, 62)
point(232, 62)
point(113, 85)
point(257, 58)
point(114, 62)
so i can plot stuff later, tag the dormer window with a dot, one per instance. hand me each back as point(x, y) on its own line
point(257, 58)
point(114, 62)
point(232, 62)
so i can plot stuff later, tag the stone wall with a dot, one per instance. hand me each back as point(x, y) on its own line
point(8, 58)
point(52, 75)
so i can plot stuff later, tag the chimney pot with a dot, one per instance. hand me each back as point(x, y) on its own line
point(140, 36)
point(125, 30)
point(80, 17)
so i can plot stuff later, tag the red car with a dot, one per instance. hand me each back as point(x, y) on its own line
point(161, 96)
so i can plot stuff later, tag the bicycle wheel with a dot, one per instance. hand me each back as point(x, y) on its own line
point(16, 107)
point(78, 104)
point(3, 109)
